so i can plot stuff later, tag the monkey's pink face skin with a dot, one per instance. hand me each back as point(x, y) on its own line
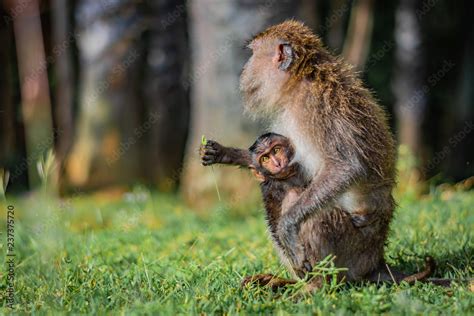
point(261, 81)
point(275, 160)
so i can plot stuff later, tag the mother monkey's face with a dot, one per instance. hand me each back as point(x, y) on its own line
point(264, 76)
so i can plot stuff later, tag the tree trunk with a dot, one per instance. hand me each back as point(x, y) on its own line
point(359, 34)
point(334, 24)
point(165, 93)
point(12, 138)
point(106, 147)
point(7, 105)
point(460, 162)
point(449, 54)
point(219, 31)
point(134, 105)
point(64, 88)
point(408, 85)
point(35, 98)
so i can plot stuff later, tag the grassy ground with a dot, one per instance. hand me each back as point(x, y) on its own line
point(147, 253)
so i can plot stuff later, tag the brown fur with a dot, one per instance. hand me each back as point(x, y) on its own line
point(342, 140)
point(330, 101)
point(343, 144)
point(330, 233)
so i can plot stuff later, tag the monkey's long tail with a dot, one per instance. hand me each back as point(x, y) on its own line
point(430, 267)
point(385, 273)
point(422, 276)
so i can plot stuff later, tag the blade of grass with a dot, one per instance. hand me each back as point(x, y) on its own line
point(215, 183)
point(203, 142)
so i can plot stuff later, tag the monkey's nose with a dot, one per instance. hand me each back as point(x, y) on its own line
point(276, 162)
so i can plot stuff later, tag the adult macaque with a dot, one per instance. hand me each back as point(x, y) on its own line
point(282, 181)
point(341, 137)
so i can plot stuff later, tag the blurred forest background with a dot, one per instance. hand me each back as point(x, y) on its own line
point(122, 90)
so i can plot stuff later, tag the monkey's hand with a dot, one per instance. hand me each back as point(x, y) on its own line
point(211, 153)
point(288, 234)
point(288, 237)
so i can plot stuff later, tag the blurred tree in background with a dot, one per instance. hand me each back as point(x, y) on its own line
point(133, 106)
point(124, 89)
point(24, 33)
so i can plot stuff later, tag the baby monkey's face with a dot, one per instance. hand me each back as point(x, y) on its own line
point(272, 156)
point(275, 159)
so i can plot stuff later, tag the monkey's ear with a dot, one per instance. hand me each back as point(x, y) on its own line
point(260, 177)
point(284, 56)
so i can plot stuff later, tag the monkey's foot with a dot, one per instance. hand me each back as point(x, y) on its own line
point(267, 280)
point(303, 271)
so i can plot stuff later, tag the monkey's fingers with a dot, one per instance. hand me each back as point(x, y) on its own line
point(203, 150)
point(300, 273)
point(209, 152)
point(211, 144)
point(303, 271)
point(208, 160)
point(307, 266)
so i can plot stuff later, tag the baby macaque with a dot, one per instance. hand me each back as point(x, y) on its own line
point(282, 181)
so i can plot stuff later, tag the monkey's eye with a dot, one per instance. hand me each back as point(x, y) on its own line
point(264, 159)
point(277, 149)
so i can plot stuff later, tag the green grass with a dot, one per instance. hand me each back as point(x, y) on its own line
point(147, 253)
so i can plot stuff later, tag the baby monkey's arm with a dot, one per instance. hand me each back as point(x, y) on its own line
point(213, 152)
